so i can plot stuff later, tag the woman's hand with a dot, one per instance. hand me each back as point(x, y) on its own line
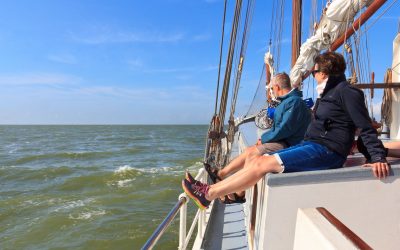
point(380, 169)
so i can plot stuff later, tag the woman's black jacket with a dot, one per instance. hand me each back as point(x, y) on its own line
point(340, 110)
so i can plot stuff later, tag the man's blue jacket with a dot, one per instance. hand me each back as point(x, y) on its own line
point(291, 119)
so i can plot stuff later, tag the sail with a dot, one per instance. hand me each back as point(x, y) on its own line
point(394, 126)
point(334, 22)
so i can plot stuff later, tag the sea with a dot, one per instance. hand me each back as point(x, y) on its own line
point(93, 186)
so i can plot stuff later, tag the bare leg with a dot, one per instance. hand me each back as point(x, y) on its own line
point(250, 156)
point(238, 163)
point(394, 149)
point(246, 177)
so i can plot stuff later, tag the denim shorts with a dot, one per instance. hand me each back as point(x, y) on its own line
point(308, 156)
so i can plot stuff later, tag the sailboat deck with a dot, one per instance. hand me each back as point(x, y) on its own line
point(227, 230)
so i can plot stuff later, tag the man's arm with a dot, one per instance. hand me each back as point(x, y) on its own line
point(292, 113)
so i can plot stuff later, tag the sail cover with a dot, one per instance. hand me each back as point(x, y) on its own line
point(334, 22)
point(394, 126)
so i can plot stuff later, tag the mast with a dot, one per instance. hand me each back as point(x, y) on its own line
point(296, 29)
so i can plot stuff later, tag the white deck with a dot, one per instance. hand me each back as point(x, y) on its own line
point(227, 230)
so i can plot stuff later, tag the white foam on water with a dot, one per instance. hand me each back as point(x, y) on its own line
point(40, 202)
point(7, 167)
point(14, 147)
point(121, 183)
point(171, 170)
point(32, 203)
point(123, 169)
point(124, 183)
point(73, 204)
point(196, 166)
point(158, 170)
point(87, 215)
point(127, 168)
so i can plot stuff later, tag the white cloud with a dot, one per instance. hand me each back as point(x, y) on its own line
point(39, 79)
point(105, 105)
point(145, 93)
point(135, 63)
point(184, 77)
point(201, 37)
point(63, 58)
point(104, 35)
point(169, 70)
point(283, 42)
point(183, 69)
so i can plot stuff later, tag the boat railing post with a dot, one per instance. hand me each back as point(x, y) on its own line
point(182, 222)
point(200, 225)
point(202, 217)
point(203, 212)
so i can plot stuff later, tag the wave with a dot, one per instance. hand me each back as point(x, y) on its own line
point(14, 173)
point(125, 183)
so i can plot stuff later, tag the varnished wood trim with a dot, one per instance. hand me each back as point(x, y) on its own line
point(394, 85)
point(357, 241)
point(253, 213)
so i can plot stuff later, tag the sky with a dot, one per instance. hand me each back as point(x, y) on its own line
point(136, 62)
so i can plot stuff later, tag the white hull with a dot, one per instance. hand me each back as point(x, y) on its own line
point(394, 127)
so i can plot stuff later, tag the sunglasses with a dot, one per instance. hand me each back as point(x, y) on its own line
point(315, 72)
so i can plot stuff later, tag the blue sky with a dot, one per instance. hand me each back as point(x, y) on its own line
point(133, 62)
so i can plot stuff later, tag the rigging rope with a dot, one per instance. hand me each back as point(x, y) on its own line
point(280, 32)
point(386, 108)
point(220, 57)
point(213, 150)
point(249, 14)
point(313, 18)
point(261, 87)
point(228, 70)
point(386, 10)
point(238, 74)
point(276, 29)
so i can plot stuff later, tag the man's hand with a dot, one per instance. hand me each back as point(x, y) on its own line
point(268, 59)
point(380, 169)
point(258, 142)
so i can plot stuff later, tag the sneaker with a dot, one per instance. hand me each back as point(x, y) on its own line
point(197, 191)
point(190, 178)
point(212, 172)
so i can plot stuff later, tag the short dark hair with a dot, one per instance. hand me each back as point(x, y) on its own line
point(331, 63)
point(283, 80)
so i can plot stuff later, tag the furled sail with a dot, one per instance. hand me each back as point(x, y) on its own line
point(334, 22)
point(394, 126)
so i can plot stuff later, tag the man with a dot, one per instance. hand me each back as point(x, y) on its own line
point(291, 119)
point(327, 142)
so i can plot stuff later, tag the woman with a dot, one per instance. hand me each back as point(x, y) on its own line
point(339, 111)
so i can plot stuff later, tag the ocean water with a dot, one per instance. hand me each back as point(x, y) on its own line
point(93, 187)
